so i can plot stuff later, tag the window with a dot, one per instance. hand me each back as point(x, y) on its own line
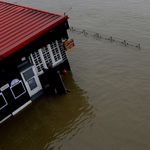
point(36, 59)
point(17, 88)
point(46, 55)
point(3, 102)
point(32, 84)
point(28, 74)
point(52, 53)
point(55, 52)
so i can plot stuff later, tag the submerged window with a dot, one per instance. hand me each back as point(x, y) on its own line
point(28, 74)
point(32, 84)
point(3, 102)
point(17, 89)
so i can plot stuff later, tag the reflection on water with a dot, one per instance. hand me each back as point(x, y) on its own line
point(49, 120)
point(117, 81)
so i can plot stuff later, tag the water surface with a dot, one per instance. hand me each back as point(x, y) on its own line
point(108, 106)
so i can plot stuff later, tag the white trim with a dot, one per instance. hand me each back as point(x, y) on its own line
point(32, 58)
point(51, 49)
point(37, 88)
point(22, 107)
point(35, 61)
point(5, 118)
point(19, 81)
point(46, 56)
point(4, 87)
point(4, 100)
point(51, 54)
point(42, 58)
point(59, 51)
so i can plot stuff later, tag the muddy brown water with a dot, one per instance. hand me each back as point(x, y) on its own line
point(108, 107)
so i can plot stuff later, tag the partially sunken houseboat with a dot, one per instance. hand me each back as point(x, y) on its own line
point(30, 38)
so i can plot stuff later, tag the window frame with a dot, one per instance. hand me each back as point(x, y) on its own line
point(4, 100)
point(15, 84)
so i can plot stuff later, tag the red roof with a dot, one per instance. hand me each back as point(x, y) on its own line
point(19, 25)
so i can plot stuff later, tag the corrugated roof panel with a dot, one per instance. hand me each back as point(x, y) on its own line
point(19, 25)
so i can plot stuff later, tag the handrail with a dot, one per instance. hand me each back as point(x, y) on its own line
point(99, 36)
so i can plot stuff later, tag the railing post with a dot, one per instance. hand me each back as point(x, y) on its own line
point(71, 28)
point(139, 46)
point(84, 32)
point(111, 38)
point(125, 43)
point(98, 36)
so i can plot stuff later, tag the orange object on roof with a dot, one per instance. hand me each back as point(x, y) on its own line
point(19, 25)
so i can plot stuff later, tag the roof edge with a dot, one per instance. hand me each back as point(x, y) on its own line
point(34, 8)
point(62, 18)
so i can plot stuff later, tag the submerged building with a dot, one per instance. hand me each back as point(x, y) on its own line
point(30, 38)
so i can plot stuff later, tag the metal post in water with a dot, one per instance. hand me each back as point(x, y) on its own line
point(125, 43)
point(67, 11)
point(84, 32)
point(71, 28)
point(139, 46)
point(96, 35)
point(111, 38)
